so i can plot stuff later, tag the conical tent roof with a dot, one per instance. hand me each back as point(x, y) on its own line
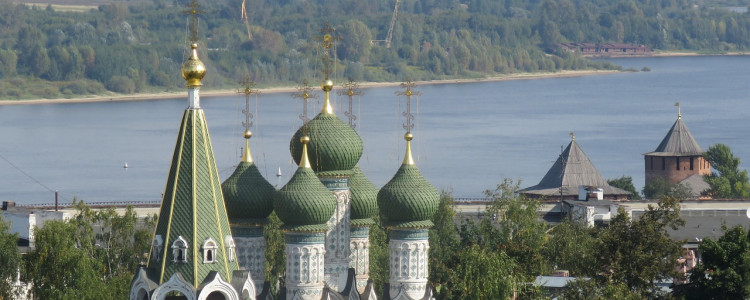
point(678, 142)
point(192, 212)
point(571, 170)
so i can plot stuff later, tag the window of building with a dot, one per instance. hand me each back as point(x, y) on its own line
point(663, 163)
point(209, 251)
point(179, 250)
point(652, 162)
point(229, 242)
point(677, 166)
point(691, 163)
point(156, 247)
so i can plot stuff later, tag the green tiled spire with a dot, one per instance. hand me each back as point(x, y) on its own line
point(192, 210)
point(408, 200)
point(304, 203)
point(335, 148)
point(248, 195)
point(364, 194)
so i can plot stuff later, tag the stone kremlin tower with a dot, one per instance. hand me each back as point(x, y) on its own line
point(678, 158)
point(193, 253)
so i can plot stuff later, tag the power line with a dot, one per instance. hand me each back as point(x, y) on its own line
point(26, 174)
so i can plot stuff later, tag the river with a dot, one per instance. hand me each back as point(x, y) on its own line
point(468, 137)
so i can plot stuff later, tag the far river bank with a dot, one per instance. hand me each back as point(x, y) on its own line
point(228, 92)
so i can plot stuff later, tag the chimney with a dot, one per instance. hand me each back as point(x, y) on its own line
point(8, 204)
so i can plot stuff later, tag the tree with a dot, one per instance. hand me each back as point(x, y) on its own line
point(10, 261)
point(275, 256)
point(728, 181)
point(356, 41)
point(625, 183)
point(60, 268)
point(639, 253)
point(724, 271)
point(659, 187)
point(583, 289)
point(572, 247)
point(444, 248)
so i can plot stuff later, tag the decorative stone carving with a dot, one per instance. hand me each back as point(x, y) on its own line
point(408, 261)
point(305, 261)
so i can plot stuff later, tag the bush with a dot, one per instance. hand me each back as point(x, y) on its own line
point(121, 84)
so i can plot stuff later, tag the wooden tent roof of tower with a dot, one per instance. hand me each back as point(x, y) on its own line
point(571, 170)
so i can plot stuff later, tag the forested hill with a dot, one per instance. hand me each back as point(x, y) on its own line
point(139, 46)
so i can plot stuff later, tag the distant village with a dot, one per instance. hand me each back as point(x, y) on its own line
point(605, 49)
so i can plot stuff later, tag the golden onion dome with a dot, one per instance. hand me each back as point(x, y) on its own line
point(193, 70)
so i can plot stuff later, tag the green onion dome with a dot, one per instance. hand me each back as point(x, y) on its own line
point(247, 194)
point(364, 198)
point(304, 203)
point(335, 148)
point(408, 199)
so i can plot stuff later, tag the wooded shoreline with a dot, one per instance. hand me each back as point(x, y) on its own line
point(219, 93)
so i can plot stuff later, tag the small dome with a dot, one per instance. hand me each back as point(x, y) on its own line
point(304, 203)
point(247, 194)
point(193, 70)
point(334, 145)
point(364, 196)
point(408, 199)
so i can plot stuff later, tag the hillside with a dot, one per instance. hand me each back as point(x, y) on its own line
point(74, 48)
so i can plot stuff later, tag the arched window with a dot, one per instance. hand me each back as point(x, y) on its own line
point(179, 250)
point(156, 247)
point(209, 251)
point(229, 242)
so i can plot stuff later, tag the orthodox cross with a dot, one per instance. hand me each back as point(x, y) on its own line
point(351, 89)
point(247, 90)
point(194, 11)
point(304, 92)
point(408, 87)
point(679, 113)
point(572, 136)
point(327, 40)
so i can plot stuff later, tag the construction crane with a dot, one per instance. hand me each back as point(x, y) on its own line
point(247, 22)
point(389, 36)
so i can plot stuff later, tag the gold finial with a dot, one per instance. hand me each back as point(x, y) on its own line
point(194, 11)
point(408, 92)
point(246, 155)
point(327, 86)
point(327, 40)
point(305, 93)
point(408, 159)
point(679, 112)
point(572, 136)
point(193, 69)
point(304, 162)
point(351, 89)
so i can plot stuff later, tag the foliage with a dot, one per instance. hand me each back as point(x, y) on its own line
point(639, 252)
point(10, 261)
point(583, 289)
point(625, 183)
point(91, 256)
point(62, 266)
point(431, 39)
point(379, 266)
point(444, 243)
point(275, 253)
point(572, 247)
point(520, 234)
point(724, 270)
point(728, 181)
point(659, 187)
point(466, 270)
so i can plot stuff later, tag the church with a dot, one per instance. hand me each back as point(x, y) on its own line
point(208, 242)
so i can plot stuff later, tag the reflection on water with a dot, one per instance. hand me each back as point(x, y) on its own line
point(468, 137)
